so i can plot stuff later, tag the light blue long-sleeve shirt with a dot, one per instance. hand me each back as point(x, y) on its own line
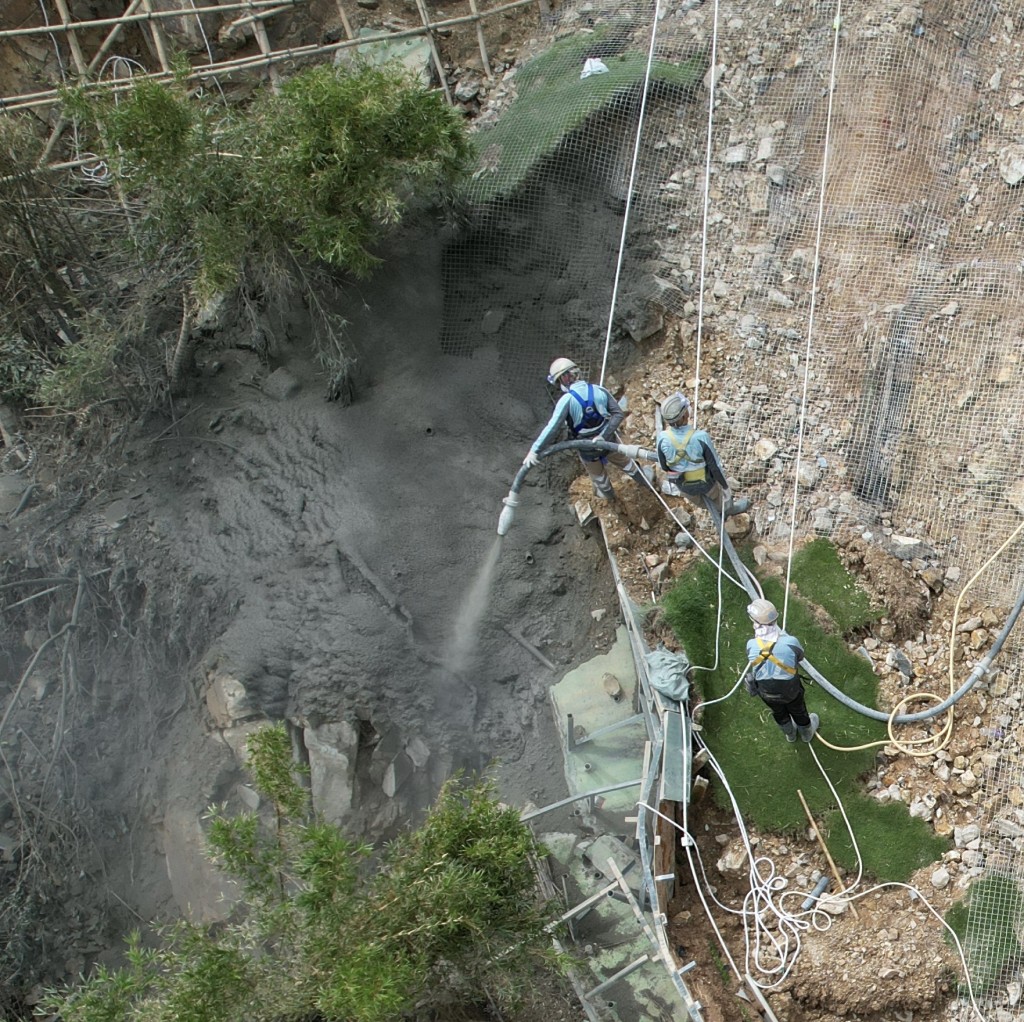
point(568, 409)
point(787, 650)
point(686, 449)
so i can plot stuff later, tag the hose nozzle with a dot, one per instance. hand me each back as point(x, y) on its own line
point(507, 514)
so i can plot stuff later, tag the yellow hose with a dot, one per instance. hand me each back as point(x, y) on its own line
point(938, 741)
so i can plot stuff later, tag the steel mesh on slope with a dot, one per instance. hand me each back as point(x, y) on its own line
point(861, 252)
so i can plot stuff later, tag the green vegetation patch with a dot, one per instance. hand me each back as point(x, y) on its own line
point(448, 927)
point(552, 100)
point(821, 578)
point(983, 922)
point(764, 770)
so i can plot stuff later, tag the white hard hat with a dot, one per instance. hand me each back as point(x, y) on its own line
point(674, 406)
point(762, 612)
point(560, 367)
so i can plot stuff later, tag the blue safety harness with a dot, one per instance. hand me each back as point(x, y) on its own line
point(592, 418)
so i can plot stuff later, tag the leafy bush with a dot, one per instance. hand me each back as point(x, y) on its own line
point(450, 917)
point(317, 170)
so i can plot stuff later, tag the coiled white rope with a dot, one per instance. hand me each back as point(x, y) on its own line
point(773, 932)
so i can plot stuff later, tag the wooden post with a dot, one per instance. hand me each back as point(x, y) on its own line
point(58, 128)
point(73, 44)
point(345, 23)
point(828, 856)
point(157, 35)
point(421, 5)
point(260, 31)
point(481, 42)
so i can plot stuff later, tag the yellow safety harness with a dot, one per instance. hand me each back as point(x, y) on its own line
point(694, 475)
point(766, 655)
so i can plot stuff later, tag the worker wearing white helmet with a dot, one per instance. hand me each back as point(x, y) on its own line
point(590, 412)
point(689, 458)
point(774, 656)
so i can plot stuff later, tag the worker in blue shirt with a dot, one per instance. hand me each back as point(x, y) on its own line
point(690, 461)
point(590, 412)
point(774, 656)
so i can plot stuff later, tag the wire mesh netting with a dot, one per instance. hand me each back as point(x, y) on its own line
point(826, 228)
point(863, 233)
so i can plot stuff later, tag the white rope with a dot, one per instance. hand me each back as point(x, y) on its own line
point(53, 39)
point(836, 24)
point(773, 933)
point(209, 51)
point(707, 201)
point(629, 191)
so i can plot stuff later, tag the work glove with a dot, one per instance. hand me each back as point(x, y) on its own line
point(531, 459)
point(750, 685)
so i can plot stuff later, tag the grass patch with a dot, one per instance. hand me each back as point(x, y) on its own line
point(552, 101)
point(821, 578)
point(892, 843)
point(983, 921)
point(764, 770)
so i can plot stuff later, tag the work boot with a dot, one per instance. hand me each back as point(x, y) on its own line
point(737, 507)
point(642, 475)
point(808, 732)
point(604, 490)
point(789, 729)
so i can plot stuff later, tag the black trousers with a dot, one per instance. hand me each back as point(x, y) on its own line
point(794, 709)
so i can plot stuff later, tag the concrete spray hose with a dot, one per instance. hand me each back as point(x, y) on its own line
point(511, 502)
point(981, 668)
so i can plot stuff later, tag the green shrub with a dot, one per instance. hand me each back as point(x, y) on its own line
point(451, 917)
point(318, 170)
point(84, 372)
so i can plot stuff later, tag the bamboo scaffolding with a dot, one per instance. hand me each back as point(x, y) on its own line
point(157, 35)
point(76, 50)
point(260, 15)
point(202, 71)
point(93, 64)
point(129, 18)
point(345, 23)
point(481, 43)
point(435, 55)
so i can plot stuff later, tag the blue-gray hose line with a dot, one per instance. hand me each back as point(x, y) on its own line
point(981, 668)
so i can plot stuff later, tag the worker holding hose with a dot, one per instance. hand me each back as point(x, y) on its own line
point(774, 656)
point(590, 412)
point(690, 461)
